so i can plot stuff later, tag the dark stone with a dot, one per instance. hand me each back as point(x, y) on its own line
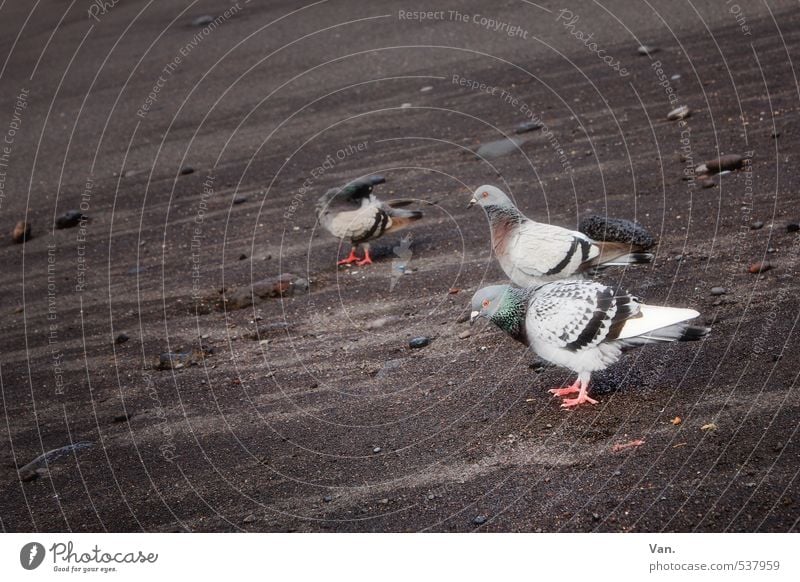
point(328, 498)
point(242, 257)
point(479, 519)
point(757, 225)
point(121, 338)
point(419, 342)
point(240, 200)
point(70, 219)
point(527, 126)
point(172, 361)
point(718, 291)
point(645, 50)
point(186, 170)
point(792, 227)
point(124, 417)
point(603, 228)
point(728, 162)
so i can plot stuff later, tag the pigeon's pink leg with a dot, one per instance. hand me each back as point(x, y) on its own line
point(575, 387)
point(367, 259)
point(582, 395)
point(351, 259)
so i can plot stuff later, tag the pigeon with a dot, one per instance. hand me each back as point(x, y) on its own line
point(532, 253)
point(581, 325)
point(353, 212)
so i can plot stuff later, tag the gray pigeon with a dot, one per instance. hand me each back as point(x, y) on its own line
point(581, 325)
point(532, 253)
point(353, 212)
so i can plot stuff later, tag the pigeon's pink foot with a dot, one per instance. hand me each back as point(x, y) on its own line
point(583, 396)
point(570, 402)
point(351, 259)
point(367, 259)
point(566, 391)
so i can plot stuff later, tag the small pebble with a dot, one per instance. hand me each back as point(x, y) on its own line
point(463, 318)
point(327, 498)
point(426, 88)
point(431, 496)
point(760, 267)
point(250, 518)
point(377, 450)
point(718, 291)
point(242, 257)
point(479, 519)
point(675, 77)
point(792, 227)
point(187, 170)
point(645, 50)
point(419, 342)
point(202, 20)
point(595, 517)
point(405, 106)
point(124, 417)
point(121, 338)
point(464, 334)
point(681, 112)
point(240, 200)
point(757, 225)
point(21, 232)
point(501, 147)
point(527, 126)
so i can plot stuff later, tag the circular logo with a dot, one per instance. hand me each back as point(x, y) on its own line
point(31, 555)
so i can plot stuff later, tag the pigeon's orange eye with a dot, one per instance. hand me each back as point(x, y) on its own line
point(485, 303)
point(485, 194)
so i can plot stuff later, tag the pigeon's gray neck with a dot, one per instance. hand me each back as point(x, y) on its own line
point(504, 213)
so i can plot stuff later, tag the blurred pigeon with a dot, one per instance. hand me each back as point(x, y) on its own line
point(403, 254)
point(581, 325)
point(531, 252)
point(353, 212)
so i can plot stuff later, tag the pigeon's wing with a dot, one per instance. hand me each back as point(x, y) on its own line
point(577, 315)
point(368, 222)
point(542, 249)
point(351, 195)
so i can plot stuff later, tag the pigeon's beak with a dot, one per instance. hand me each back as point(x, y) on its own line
point(472, 203)
point(473, 316)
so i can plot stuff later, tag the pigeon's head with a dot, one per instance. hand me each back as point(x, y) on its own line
point(489, 196)
point(487, 301)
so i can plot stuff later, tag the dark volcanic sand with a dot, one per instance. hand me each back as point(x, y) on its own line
point(283, 436)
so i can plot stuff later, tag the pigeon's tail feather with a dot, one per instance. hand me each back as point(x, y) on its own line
point(679, 332)
point(401, 202)
point(614, 254)
point(401, 218)
point(630, 259)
